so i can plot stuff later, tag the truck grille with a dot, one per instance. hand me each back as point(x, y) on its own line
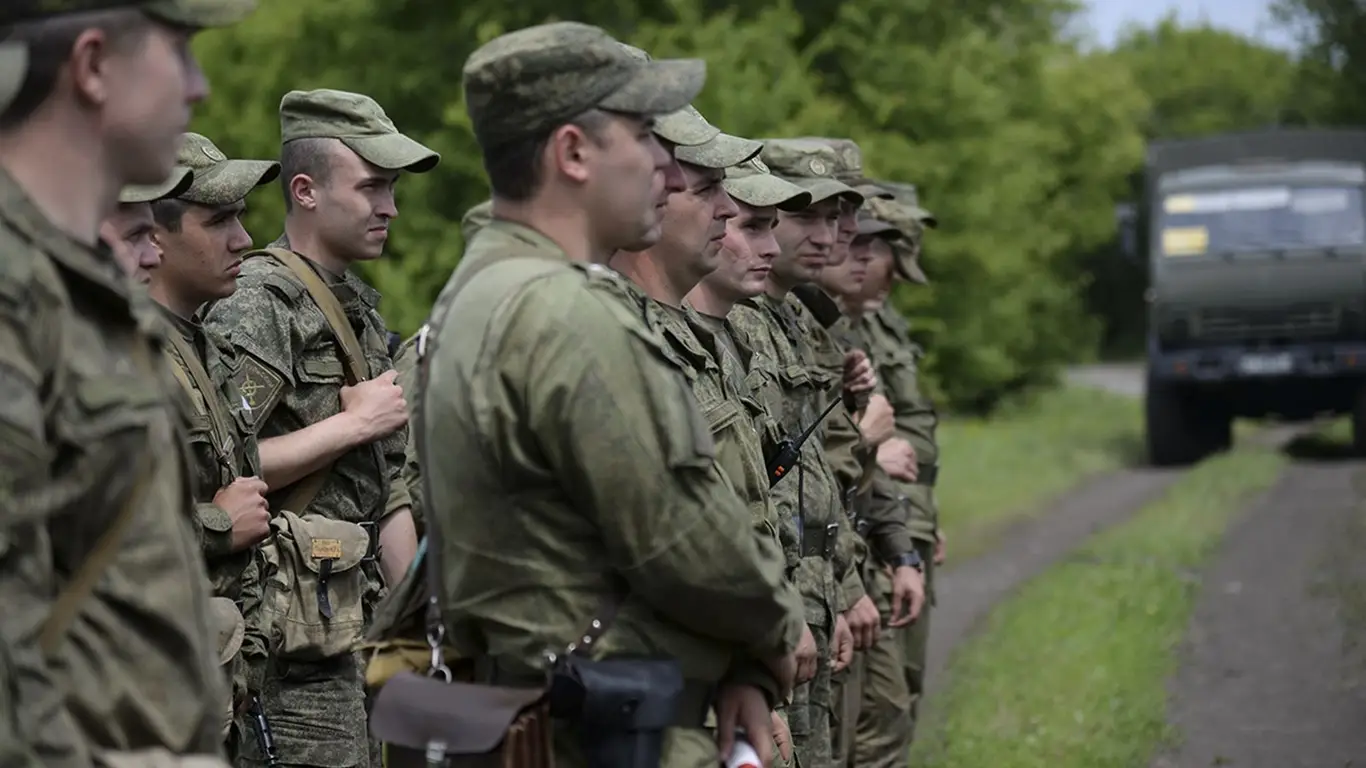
point(1297, 321)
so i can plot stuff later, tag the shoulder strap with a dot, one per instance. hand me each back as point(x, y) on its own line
point(82, 583)
point(195, 368)
point(353, 356)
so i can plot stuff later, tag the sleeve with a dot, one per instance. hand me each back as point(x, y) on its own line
point(255, 637)
point(405, 363)
point(215, 529)
point(27, 579)
point(258, 321)
point(888, 516)
point(621, 428)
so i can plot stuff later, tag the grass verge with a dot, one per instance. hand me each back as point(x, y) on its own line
point(1071, 672)
point(1001, 469)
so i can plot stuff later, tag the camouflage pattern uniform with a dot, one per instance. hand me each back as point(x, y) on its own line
point(86, 417)
point(222, 445)
point(602, 436)
point(290, 371)
point(894, 354)
point(796, 389)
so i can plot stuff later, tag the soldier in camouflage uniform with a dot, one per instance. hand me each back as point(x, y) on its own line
point(202, 241)
point(888, 338)
point(797, 390)
point(128, 230)
point(595, 488)
point(119, 669)
point(331, 447)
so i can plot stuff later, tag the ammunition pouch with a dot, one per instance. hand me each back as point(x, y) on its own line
point(620, 707)
point(819, 540)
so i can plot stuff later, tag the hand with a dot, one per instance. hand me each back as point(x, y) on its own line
point(877, 424)
point(865, 623)
point(897, 459)
point(939, 547)
point(784, 670)
point(377, 405)
point(743, 706)
point(841, 645)
point(908, 591)
point(859, 375)
point(782, 737)
point(808, 656)
point(244, 499)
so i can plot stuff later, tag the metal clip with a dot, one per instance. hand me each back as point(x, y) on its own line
point(831, 534)
point(435, 636)
point(422, 334)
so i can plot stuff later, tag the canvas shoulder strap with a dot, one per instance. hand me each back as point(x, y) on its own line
point(198, 378)
point(352, 355)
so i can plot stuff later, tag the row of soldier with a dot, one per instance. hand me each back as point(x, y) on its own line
point(597, 471)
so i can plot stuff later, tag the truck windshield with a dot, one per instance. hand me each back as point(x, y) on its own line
point(1262, 218)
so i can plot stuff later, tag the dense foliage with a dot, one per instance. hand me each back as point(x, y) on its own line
point(1020, 136)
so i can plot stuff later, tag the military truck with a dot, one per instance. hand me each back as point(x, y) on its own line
point(1256, 249)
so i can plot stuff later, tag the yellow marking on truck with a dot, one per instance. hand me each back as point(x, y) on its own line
point(1178, 204)
point(1185, 241)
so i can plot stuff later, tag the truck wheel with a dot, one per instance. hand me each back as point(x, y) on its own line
point(1359, 423)
point(1219, 428)
point(1177, 433)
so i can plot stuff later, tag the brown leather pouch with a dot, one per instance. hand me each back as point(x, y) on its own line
point(426, 722)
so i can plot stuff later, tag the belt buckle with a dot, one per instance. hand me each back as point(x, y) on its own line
point(372, 531)
point(832, 531)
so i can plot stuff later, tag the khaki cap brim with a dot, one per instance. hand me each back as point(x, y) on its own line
point(824, 189)
point(200, 14)
point(762, 190)
point(721, 152)
point(685, 127)
point(393, 152)
point(174, 186)
point(13, 66)
point(871, 227)
point(659, 87)
point(228, 627)
point(230, 181)
point(870, 190)
point(924, 217)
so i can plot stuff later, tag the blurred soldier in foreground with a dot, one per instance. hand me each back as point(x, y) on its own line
point(594, 536)
point(119, 668)
point(313, 365)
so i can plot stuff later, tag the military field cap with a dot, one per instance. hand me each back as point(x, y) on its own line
point(723, 151)
point(218, 180)
point(530, 81)
point(228, 626)
point(359, 122)
point(185, 13)
point(905, 262)
point(13, 65)
point(475, 219)
point(906, 195)
point(685, 127)
point(871, 226)
point(751, 183)
point(810, 164)
point(849, 168)
point(175, 185)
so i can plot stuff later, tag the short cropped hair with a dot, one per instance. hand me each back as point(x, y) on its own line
point(514, 168)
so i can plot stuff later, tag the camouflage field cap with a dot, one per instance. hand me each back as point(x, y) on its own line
point(849, 169)
point(184, 13)
point(228, 626)
point(218, 180)
point(723, 151)
point(907, 195)
point(175, 185)
point(359, 122)
point(685, 127)
point(902, 218)
point(532, 80)
point(13, 65)
point(751, 183)
point(810, 164)
point(475, 219)
point(871, 226)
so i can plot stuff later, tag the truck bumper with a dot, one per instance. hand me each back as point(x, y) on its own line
point(1248, 363)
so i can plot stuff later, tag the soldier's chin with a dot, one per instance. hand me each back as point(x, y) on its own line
point(645, 239)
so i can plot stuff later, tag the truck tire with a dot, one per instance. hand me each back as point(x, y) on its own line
point(1178, 433)
point(1359, 423)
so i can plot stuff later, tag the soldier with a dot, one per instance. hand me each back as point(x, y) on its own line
point(888, 338)
point(797, 392)
point(202, 240)
point(107, 618)
point(128, 230)
point(590, 503)
point(315, 370)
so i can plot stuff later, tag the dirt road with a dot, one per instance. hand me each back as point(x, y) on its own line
point(1272, 673)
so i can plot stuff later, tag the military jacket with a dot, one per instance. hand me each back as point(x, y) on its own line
point(564, 454)
point(888, 340)
point(795, 390)
point(405, 362)
point(291, 373)
point(87, 408)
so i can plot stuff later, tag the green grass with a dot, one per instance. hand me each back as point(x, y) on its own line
point(1001, 469)
point(1071, 671)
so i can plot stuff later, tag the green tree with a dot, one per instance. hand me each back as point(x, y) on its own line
point(1333, 65)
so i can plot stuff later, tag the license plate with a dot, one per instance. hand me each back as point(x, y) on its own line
point(1265, 365)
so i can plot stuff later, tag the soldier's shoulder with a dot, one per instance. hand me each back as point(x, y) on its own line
point(23, 265)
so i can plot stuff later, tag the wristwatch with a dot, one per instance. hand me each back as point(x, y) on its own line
point(911, 559)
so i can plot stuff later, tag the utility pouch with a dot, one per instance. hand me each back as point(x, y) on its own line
point(620, 707)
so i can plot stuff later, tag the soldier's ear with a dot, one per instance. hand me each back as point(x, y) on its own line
point(303, 191)
point(569, 150)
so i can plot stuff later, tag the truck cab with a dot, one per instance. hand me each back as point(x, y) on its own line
point(1256, 248)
